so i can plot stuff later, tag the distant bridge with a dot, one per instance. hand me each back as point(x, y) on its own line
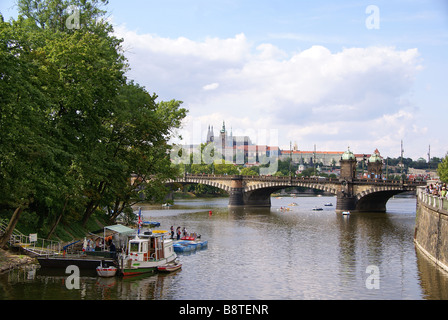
point(352, 194)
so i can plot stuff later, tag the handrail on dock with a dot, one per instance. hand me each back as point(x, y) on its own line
point(33, 245)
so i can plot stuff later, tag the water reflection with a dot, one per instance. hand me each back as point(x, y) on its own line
point(268, 253)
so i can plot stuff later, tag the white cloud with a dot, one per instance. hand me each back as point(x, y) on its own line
point(211, 86)
point(334, 99)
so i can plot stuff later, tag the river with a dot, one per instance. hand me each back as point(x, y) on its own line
point(267, 254)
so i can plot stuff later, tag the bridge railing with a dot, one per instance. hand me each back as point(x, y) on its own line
point(258, 178)
point(436, 202)
point(410, 183)
point(306, 179)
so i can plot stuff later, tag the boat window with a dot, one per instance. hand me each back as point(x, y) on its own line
point(134, 246)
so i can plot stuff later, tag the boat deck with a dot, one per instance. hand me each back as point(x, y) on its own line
point(82, 261)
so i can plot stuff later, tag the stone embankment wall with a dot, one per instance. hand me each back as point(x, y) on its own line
point(431, 227)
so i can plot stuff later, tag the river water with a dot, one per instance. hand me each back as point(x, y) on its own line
point(267, 254)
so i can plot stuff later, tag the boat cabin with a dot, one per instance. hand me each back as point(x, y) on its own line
point(150, 248)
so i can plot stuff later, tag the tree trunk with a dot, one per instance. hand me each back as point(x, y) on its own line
point(118, 210)
point(57, 220)
point(93, 204)
point(10, 228)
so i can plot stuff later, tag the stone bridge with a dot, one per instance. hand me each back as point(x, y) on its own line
point(352, 194)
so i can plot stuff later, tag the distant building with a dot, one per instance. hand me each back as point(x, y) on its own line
point(348, 166)
point(375, 166)
point(226, 140)
point(327, 158)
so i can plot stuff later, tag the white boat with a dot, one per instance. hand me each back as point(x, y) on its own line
point(146, 252)
point(346, 213)
point(106, 272)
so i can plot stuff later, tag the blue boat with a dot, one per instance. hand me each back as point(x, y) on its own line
point(183, 246)
point(151, 224)
point(189, 245)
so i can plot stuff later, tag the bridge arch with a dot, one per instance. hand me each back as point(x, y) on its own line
point(210, 183)
point(376, 198)
point(260, 194)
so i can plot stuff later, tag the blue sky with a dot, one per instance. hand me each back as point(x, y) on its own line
point(310, 70)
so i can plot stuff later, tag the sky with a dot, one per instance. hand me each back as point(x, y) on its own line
point(331, 74)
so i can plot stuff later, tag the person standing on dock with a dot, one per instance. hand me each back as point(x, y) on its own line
point(172, 232)
point(112, 249)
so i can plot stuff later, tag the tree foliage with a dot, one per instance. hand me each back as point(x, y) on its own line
point(76, 135)
point(442, 170)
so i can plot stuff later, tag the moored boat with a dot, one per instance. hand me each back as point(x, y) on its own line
point(145, 253)
point(106, 272)
point(170, 267)
point(151, 224)
point(190, 243)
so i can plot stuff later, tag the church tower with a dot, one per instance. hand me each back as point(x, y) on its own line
point(223, 135)
point(210, 135)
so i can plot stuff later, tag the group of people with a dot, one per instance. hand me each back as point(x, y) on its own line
point(179, 233)
point(437, 189)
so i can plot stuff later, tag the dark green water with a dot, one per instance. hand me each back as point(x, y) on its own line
point(267, 254)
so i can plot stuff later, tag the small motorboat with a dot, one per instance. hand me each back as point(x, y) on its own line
point(151, 224)
point(345, 213)
point(170, 267)
point(317, 209)
point(106, 272)
point(329, 204)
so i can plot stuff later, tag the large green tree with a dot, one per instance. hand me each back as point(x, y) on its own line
point(75, 135)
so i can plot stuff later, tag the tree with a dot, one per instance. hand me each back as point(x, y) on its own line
point(73, 130)
point(25, 151)
point(442, 169)
point(248, 172)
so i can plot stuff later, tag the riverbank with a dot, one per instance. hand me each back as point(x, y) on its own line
point(9, 260)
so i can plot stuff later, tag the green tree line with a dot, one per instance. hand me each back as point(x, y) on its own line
point(76, 135)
